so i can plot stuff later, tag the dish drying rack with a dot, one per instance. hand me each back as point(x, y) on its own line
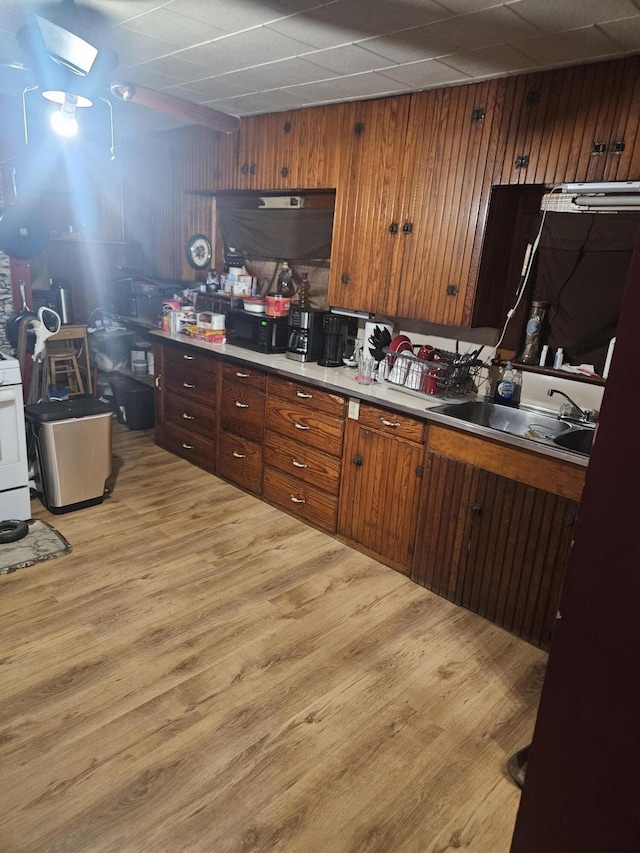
point(452, 375)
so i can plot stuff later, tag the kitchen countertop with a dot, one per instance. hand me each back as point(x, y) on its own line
point(342, 381)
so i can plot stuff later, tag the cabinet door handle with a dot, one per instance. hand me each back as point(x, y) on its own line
point(299, 464)
point(300, 426)
point(187, 446)
point(357, 460)
point(304, 396)
point(476, 509)
point(238, 455)
point(188, 357)
point(187, 385)
point(240, 405)
point(156, 382)
point(242, 375)
point(187, 417)
point(296, 500)
point(392, 424)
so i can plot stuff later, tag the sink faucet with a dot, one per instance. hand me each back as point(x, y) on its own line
point(586, 415)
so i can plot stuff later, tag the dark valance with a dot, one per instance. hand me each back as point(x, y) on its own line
point(274, 234)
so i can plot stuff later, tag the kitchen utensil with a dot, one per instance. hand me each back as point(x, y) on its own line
point(366, 370)
point(254, 305)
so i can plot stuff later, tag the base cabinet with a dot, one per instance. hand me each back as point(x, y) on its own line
point(242, 408)
point(381, 483)
point(494, 545)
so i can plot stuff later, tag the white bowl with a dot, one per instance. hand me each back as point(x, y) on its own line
point(255, 306)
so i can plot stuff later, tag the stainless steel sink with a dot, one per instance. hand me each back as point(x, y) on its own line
point(525, 423)
point(579, 439)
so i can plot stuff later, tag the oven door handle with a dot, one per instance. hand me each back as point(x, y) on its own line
point(7, 397)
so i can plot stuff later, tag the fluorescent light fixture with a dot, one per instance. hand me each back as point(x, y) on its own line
point(607, 201)
point(602, 187)
point(64, 121)
point(346, 313)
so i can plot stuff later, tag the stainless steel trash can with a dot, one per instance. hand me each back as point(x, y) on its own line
point(70, 449)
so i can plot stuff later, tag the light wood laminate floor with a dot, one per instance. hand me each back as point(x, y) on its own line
point(204, 673)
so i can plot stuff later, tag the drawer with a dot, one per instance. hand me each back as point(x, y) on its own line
point(301, 499)
point(191, 446)
point(192, 357)
point(242, 411)
point(302, 424)
point(190, 415)
point(244, 376)
point(307, 395)
point(401, 426)
point(240, 461)
point(304, 463)
point(187, 381)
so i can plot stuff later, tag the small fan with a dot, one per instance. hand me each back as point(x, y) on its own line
point(72, 65)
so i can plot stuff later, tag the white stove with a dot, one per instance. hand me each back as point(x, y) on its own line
point(15, 502)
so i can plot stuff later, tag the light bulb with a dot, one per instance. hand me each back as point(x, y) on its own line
point(64, 121)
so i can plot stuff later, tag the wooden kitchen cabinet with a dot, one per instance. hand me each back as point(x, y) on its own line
point(495, 530)
point(303, 447)
point(185, 400)
point(381, 483)
point(242, 414)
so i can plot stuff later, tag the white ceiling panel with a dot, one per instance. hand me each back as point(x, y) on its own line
point(254, 56)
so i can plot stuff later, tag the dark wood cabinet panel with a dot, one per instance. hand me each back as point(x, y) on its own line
point(240, 461)
point(306, 463)
point(494, 545)
point(191, 446)
point(302, 499)
point(307, 395)
point(242, 411)
point(301, 423)
point(181, 411)
point(379, 492)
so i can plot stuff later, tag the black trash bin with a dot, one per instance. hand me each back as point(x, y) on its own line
point(134, 402)
point(70, 449)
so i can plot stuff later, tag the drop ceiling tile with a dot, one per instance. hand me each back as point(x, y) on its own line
point(245, 105)
point(176, 29)
point(426, 74)
point(230, 16)
point(579, 45)
point(467, 7)
point(625, 32)
point(153, 80)
point(368, 85)
point(275, 75)
point(409, 45)
point(380, 16)
point(216, 57)
point(562, 15)
point(176, 66)
point(118, 12)
point(349, 59)
point(482, 29)
point(138, 47)
point(290, 7)
point(263, 45)
point(320, 28)
point(211, 88)
point(494, 61)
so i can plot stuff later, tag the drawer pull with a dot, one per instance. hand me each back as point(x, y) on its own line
point(299, 464)
point(238, 455)
point(187, 446)
point(300, 426)
point(242, 375)
point(187, 417)
point(240, 405)
point(157, 382)
point(392, 424)
point(187, 385)
point(296, 500)
point(188, 357)
point(304, 396)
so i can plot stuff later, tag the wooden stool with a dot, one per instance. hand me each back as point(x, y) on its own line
point(64, 367)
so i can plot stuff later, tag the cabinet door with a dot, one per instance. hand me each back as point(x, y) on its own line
point(494, 545)
point(449, 154)
point(263, 151)
point(367, 244)
point(380, 488)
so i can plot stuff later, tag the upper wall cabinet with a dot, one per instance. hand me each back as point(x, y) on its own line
point(408, 230)
point(573, 124)
point(300, 149)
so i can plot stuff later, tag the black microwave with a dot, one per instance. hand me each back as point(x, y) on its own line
point(257, 332)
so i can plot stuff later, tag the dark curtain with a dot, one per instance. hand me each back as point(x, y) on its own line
point(583, 264)
point(274, 234)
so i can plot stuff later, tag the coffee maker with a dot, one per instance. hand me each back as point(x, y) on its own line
point(336, 329)
point(306, 339)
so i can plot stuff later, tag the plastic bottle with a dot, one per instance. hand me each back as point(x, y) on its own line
point(558, 359)
point(534, 330)
point(505, 388)
point(285, 281)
